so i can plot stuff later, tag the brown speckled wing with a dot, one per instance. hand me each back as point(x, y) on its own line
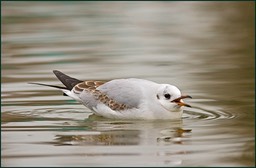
point(91, 86)
point(88, 85)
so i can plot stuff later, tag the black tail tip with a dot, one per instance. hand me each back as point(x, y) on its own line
point(55, 71)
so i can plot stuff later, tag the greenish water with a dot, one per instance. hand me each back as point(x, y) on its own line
point(204, 48)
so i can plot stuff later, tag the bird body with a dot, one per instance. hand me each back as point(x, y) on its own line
point(130, 98)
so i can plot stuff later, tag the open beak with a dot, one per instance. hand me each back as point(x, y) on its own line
point(178, 101)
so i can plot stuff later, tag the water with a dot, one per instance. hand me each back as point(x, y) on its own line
point(204, 48)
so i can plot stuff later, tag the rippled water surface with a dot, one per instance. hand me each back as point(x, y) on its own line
point(204, 48)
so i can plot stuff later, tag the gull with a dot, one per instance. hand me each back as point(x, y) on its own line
point(129, 98)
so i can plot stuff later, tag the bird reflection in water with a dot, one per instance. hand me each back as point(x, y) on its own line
point(121, 132)
point(117, 137)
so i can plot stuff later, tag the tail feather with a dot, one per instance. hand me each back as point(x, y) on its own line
point(58, 87)
point(68, 81)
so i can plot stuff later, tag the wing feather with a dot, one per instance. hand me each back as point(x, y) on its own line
point(117, 94)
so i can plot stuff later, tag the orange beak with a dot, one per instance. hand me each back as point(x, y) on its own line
point(178, 101)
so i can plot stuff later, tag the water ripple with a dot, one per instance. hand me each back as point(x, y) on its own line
point(205, 113)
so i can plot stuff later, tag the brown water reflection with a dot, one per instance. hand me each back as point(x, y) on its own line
point(205, 48)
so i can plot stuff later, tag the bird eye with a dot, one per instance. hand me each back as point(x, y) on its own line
point(167, 96)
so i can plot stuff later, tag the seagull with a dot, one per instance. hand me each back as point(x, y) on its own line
point(130, 98)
